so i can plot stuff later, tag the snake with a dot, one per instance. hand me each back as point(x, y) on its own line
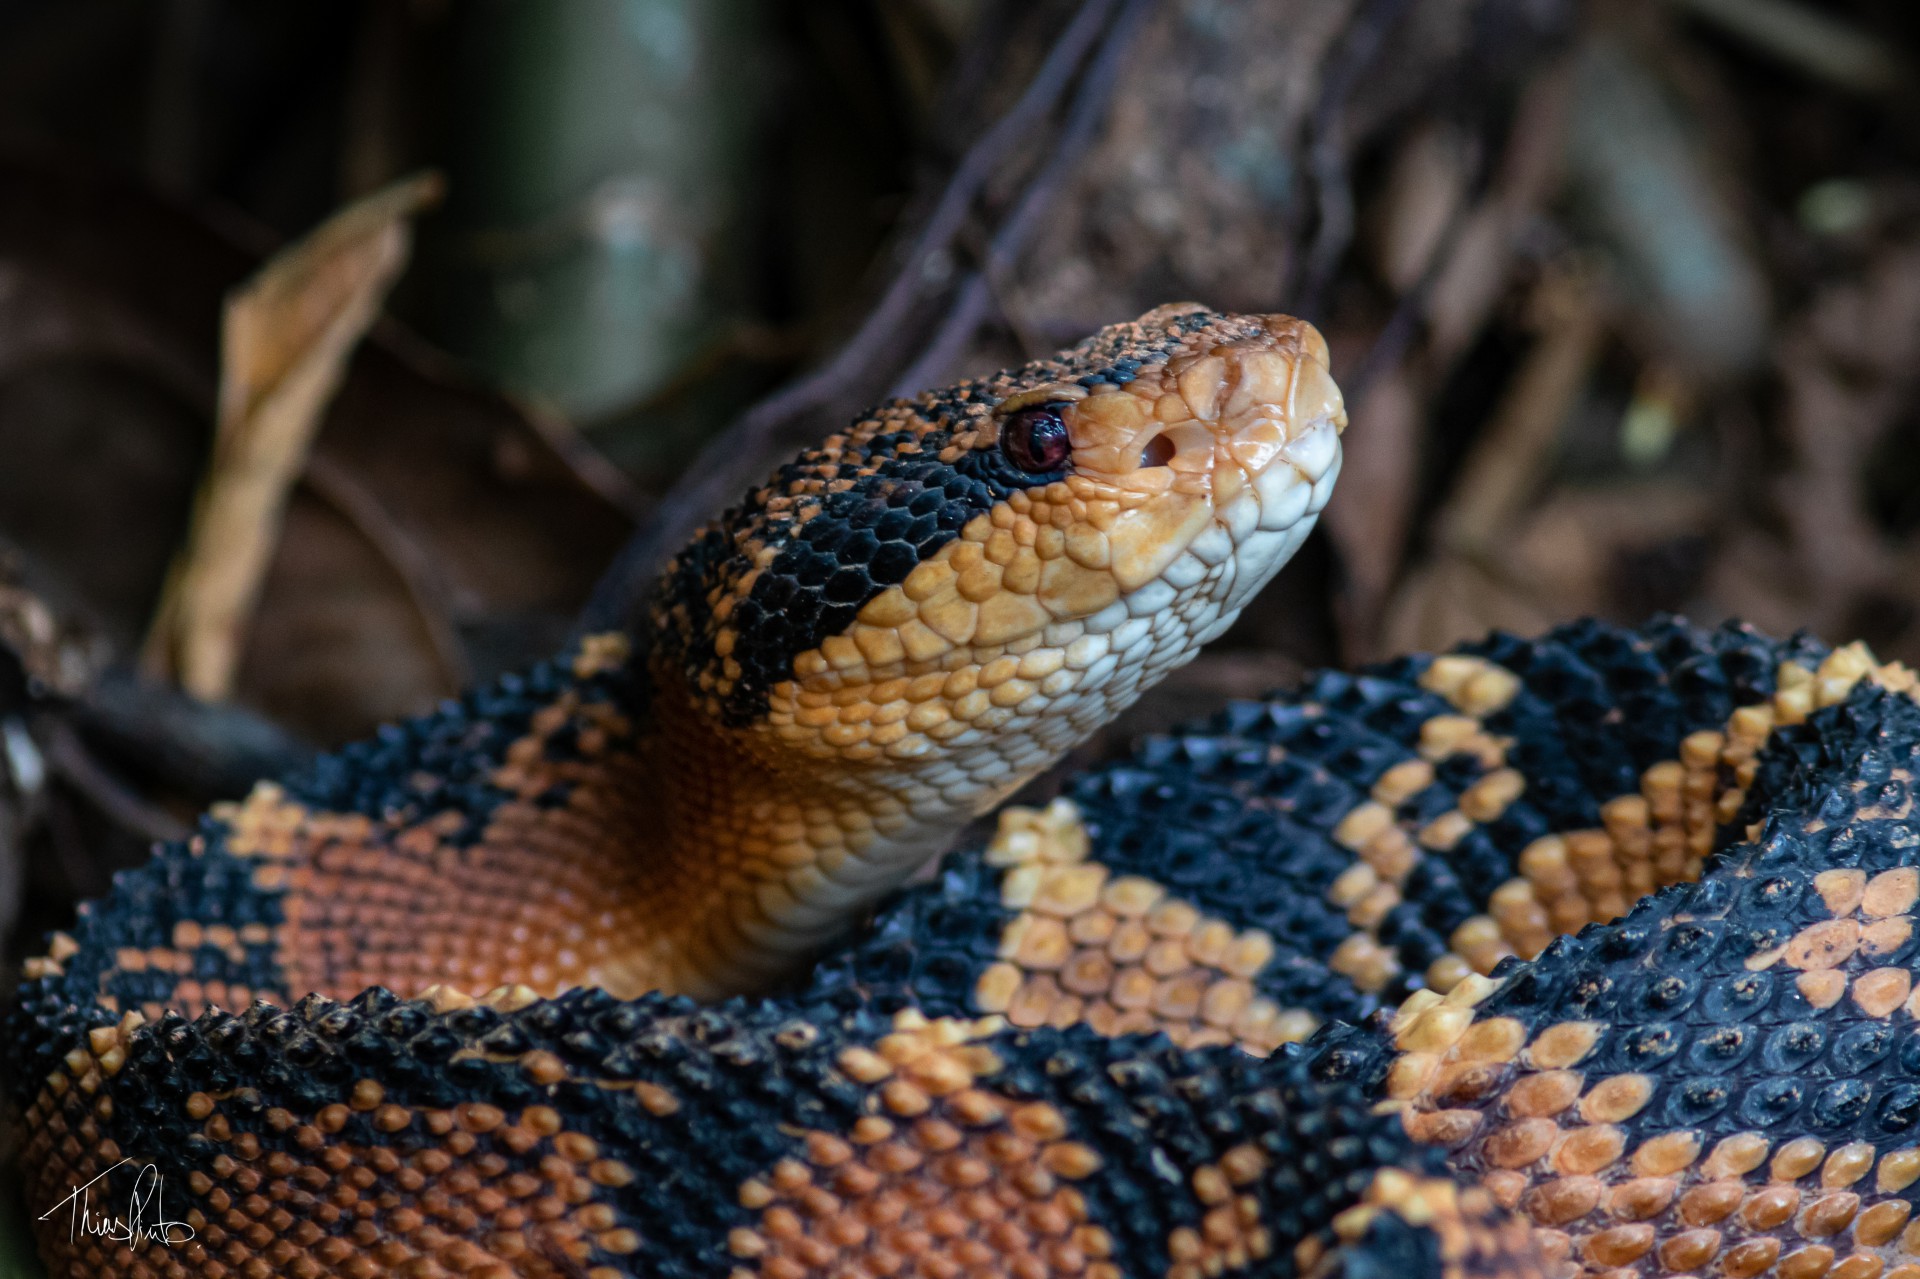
point(1586, 953)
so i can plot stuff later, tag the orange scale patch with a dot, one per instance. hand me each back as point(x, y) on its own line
point(1119, 953)
point(1646, 841)
point(548, 897)
point(1386, 849)
point(947, 1178)
point(1838, 959)
point(1231, 1235)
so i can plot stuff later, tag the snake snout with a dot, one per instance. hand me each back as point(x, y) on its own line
point(1253, 425)
point(1224, 416)
point(1233, 435)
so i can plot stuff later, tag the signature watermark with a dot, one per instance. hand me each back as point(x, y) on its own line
point(144, 1222)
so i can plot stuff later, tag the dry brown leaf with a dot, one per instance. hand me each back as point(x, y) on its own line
point(1425, 191)
point(473, 532)
point(339, 642)
point(287, 337)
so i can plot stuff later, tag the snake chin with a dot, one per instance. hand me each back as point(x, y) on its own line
point(1253, 534)
point(1282, 509)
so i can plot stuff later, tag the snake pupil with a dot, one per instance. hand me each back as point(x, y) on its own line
point(1035, 440)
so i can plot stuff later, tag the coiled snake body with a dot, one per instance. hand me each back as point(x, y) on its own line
point(1591, 953)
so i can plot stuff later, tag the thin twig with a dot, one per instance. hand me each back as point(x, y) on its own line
point(580, 456)
point(1817, 42)
point(964, 316)
point(1084, 116)
point(730, 460)
point(426, 587)
point(206, 750)
point(1502, 473)
point(71, 761)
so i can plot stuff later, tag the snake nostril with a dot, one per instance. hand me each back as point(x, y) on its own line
point(1159, 452)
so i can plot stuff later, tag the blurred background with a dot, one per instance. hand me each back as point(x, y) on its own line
point(344, 347)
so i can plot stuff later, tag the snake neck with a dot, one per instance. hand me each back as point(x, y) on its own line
point(746, 867)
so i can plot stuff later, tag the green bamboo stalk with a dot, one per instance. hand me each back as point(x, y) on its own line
point(602, 165)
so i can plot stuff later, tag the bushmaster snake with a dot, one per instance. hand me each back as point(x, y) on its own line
point(1295, 991)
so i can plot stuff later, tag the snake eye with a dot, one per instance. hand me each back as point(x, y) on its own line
point(1035, 439)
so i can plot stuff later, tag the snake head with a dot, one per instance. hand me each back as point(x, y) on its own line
point(1189, 479)
point(1003, 565)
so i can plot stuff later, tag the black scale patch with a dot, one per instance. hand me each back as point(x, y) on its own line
point(1728, 1049)
point(442, 761)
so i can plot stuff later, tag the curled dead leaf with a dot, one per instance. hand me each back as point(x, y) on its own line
point(287, 336)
